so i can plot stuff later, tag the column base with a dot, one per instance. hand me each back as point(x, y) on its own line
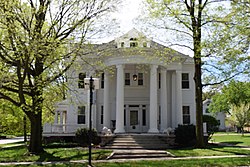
point(153, 130)
point(119, 131)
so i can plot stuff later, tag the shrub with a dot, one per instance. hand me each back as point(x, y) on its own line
point(185, 135)
point(212, 125)
point(82, 136)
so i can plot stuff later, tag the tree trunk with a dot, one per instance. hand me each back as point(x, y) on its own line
point(25, 128)
point(35, 146)
point(198, 98)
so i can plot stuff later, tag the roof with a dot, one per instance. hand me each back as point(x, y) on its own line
point(153, 48)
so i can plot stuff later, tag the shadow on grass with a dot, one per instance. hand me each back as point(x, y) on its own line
point(232, 143)
point(230, 149)
point(45, 156)
point(211, 150)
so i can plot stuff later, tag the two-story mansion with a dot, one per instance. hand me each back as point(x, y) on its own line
point(144, 87)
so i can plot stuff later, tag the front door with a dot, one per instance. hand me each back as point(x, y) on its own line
point(134, 122)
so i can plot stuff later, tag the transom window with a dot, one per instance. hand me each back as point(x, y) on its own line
point(185, 81)
point(81, 115)
point(186, 114)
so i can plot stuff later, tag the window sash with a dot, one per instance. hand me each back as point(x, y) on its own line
point(186, 114)
point(81, 77)
point(185, 81)
point(102, 81)
point(127, 78)
point(140, 79)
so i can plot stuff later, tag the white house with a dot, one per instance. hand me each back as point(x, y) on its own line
point(145, 87)
point(220, 116)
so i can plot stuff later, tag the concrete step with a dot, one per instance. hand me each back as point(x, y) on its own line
point(138, 142)
point(135, 154)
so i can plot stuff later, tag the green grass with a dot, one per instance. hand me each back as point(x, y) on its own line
point(221, 162)
point(19, 154)
point(211, 150)
point(232, 138)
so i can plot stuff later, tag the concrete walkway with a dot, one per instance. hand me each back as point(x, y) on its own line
point(11, 140)
point(123, 160)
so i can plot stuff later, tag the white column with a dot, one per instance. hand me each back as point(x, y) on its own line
point(106, 111)
point(173, 102)
point(56, 117)
point(179, 98)
point(153, 100)
point(61, 117)
point(164, 100)
point(120, 100)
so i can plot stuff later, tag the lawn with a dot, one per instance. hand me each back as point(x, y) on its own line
point(232, 138)
point(59, 153)
point(211, 150)
point(222, 162)
point(19, 154)
point(182, 163)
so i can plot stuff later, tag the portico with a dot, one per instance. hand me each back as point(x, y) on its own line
point(149, 114)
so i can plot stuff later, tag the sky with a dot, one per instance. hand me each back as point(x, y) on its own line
point(129, 10)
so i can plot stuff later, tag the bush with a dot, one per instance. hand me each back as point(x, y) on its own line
point(82, 137)
point(212, 125)
point(185, 135)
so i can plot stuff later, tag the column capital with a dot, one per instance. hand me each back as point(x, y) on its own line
point(163, 70)
point(120, 66)
point(153, 66)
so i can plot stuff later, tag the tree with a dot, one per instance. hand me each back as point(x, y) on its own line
point(197, 25)
point(11, 119)
point(240, 116)
point(38, 45)
point(234, 98)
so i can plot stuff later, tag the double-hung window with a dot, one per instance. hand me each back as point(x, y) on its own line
point(81, 77)
point(140, 79)
point(81, 115)
point(185, 81)
point(186, 114)
point(127, 79)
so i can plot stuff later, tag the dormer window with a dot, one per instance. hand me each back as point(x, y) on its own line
point(81, 80)
point(133, 39)
point(133, 44)
point(144, 44)
point(122, 45)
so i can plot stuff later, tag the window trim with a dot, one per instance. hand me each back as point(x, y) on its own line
point(81, 115)
point(127, 80)
point(140, 79)
point(81, 80)
point(102, 115)
point(102, 80)
point(185, 82)
point(187, 115)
